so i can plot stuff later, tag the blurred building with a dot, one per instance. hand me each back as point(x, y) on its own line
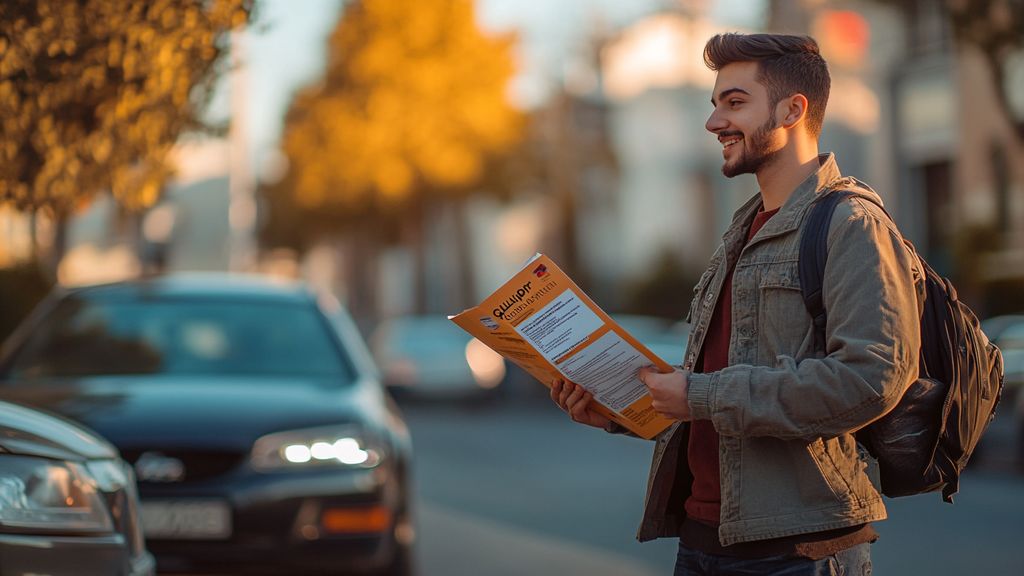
point(187, 230)
point(941, 150)
point(672, 197)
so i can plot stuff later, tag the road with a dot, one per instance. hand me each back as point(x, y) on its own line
point(514, 488)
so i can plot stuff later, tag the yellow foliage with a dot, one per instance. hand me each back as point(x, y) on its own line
point(414, 100)
point(94, 93)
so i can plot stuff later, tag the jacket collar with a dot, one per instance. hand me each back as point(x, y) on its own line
point(792, 211)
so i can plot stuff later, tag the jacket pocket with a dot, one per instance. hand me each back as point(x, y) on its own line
point(783, 321)
point(871, 469)
point(830, 472)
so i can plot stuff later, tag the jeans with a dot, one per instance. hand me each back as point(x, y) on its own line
point(855, 561)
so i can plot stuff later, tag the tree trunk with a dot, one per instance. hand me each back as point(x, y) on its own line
point(563, 168)
point(362, 273)
point(59, 246)
point(416, 240)
point(464, 255)
point(32, 236)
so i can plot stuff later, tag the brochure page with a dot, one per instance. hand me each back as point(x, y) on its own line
point(541, 321)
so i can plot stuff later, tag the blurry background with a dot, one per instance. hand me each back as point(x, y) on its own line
point(409, 156)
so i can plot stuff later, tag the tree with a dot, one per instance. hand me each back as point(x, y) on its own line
point(412, 110)
point(94, 93)
point(996, 29)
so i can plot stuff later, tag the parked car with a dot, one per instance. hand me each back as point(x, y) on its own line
point(68, 504)
point(260, 433)
point(1007, 332)
point(431, 357)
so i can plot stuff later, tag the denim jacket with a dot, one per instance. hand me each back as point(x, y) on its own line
point(785, 412)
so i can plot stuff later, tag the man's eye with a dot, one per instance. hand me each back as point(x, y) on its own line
point(735, 103)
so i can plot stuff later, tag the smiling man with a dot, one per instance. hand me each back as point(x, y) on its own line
point(762, 474)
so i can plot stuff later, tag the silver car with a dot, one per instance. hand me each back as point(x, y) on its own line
point(431, 357)
point(68, 503)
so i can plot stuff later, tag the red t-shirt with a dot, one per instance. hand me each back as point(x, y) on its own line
point(705, 501)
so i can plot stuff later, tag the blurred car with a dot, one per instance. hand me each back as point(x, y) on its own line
point(251, 410)
point(661, 336)
point(431, 357)
point(68, 504)
point(1007, 332)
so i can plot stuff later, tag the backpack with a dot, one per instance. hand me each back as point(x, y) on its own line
point(923, 444)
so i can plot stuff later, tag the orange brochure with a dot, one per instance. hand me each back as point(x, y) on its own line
point(544, 323)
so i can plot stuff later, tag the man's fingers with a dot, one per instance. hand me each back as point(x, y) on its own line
point(563, 395)
point(574, 397)
point(578, 402)
point(644, 374)
point(556, 389)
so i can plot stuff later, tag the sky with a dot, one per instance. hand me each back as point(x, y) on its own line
point(286, 49)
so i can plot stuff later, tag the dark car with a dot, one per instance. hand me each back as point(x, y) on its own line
point(261, 436)
point(68, 504)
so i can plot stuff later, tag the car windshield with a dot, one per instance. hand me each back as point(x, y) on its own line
point(82, 337)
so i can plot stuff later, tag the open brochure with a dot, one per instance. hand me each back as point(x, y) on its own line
point(544, 323)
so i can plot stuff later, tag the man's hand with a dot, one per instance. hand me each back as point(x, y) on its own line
point(668, 392)
point(575, 400)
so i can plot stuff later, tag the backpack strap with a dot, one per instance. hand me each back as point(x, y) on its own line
point(814, 254)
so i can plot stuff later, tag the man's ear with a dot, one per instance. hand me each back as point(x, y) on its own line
point(793, 110)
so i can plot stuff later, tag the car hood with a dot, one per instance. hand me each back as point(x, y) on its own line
point(212, 413)
point(33, 433)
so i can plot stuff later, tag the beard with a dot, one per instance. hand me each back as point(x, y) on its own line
point(759, 152)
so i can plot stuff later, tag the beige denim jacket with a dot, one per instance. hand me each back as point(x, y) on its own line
point(784, 412)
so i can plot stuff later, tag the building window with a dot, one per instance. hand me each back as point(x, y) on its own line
point(928, 30)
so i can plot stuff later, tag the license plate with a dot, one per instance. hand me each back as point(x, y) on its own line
point(186, 519)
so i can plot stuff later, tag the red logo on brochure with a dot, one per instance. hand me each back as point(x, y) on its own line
point(540, 271)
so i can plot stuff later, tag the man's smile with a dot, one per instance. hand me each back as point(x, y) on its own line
point(729, 141)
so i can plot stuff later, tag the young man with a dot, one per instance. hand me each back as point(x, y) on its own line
point(761, 474)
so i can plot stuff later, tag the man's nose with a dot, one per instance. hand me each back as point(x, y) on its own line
point(715, 123)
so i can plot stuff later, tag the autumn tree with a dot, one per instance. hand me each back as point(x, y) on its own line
point(94, 93)
point(412, 110)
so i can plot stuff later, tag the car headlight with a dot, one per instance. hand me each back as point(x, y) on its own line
point(110, 475)
point(345, 446)
point(37, 494)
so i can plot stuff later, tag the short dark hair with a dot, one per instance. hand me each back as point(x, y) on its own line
point(786, 65)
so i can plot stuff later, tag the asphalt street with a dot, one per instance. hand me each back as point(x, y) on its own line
point(513, 488)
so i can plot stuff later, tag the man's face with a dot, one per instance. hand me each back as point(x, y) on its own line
point(743, 120)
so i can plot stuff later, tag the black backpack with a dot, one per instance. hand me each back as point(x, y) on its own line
point(923, 443)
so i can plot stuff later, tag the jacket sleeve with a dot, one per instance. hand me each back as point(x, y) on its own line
point(871, 293)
